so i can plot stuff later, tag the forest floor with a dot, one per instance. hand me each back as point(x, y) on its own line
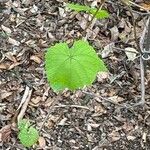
point(98, 117)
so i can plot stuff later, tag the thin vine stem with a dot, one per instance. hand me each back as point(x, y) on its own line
point(93, 17)
point(134, 26)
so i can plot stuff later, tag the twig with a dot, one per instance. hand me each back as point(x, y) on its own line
point(147, 45)
point(134, 25)
point(117, 48)
point(16, 146)
point(105, 99)
point(142, 67)
point(49, 112)
point(24, 99)
point(142, 102)
point(74, 106)
point(143, 36)
point(24, 106)
point(25, 95)
point(139, 46)
point(137, 5)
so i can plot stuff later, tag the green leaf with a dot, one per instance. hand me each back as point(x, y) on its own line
point(28, 136)
point(24, 123)
point(73, 67)
point(78, 7)
point(101, 14)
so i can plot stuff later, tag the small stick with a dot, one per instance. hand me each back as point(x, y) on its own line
point(143, 35)
point(74, 106)
point(137, 5)
point(24, 99)
point(24, 106)
point(103, 98)
point(142, 102)
point(89, 24)
point(139, 46)
point(25, 95)
point(49, 112)
point(134, 25)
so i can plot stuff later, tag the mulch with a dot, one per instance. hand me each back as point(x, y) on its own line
point(98, 117)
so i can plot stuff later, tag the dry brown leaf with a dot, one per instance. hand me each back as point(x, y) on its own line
point(3, 66)
point(14, 65)
point(131, 138)
point(5, 94)
point(114, 33)
point(107, 50)
point(10, 56)
point(94, 125)
point(146, 5)
point(53, 119)
point(35, 101)
point(114, 135)
point(36, 59)
point(144, 137)
point(102, 76)
point(62, 122)
point(6, 29)
point(116, 99)
point(49, 102)
point(13, 42)
point(42, 142)
point(127, 127)
point(99, 110)
point(5, 133)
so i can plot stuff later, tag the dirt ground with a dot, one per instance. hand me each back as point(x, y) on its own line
point(98, 117)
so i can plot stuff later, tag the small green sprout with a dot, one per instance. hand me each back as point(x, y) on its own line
point(28, 135)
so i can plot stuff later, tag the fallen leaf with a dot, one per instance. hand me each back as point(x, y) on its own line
point(14, 65)
point(116, 99)
point(102, 76)
point(36, 59)
point(107, 50)
point(3, 66)
point(5, 94)
point(10, 56)
point(62, 122)
point(114, 136)
point(114, 33)
point(131, 138)
point(146, 6)
point(42, 142)
point(35, 101)
point(34, 9)
point(6, 29)
point(13, 42)
point(131, 53)
point(5, 133)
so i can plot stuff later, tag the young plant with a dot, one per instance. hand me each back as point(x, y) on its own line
point(100, 14)
point(28, 135)
point(72, 67)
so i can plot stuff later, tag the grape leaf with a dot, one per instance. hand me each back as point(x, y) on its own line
point(78, 7)
point(73, 67)
point(28, 136)
point(24, 123)
point(101, 14)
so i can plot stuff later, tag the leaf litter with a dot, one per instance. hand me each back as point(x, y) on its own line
point(26, 29)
